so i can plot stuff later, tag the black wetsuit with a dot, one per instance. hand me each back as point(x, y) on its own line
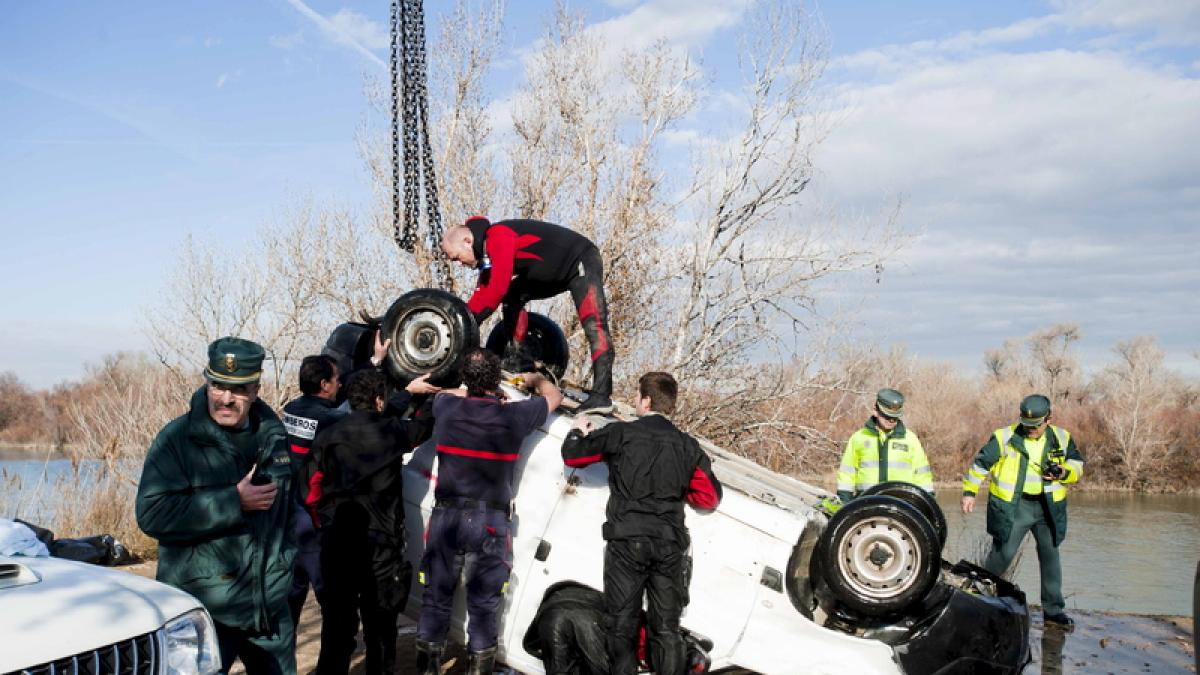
point(523, 260)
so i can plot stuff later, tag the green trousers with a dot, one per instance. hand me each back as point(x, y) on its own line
point(1031, 515)
point(273, 654)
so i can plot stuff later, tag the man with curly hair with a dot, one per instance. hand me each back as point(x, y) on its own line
point(479, 435)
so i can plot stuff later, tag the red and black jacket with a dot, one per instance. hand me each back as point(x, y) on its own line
point(653, 468)
point(542, 257)
point(304, 418)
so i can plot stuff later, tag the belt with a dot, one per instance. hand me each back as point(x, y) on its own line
point(467, 503)
point(1033, 498)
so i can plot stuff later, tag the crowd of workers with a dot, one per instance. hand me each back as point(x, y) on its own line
point(251, 510)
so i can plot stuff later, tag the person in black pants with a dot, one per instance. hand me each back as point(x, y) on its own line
point(314, 411)
point(479, 437)
point(521, 260)
point(653, 468)
point(360, 506)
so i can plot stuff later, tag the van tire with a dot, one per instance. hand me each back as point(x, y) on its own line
point(544, 340)
point(878, 556)
point(919, 498)
point(430, 330)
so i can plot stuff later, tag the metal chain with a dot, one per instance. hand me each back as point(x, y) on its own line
point(408, 43)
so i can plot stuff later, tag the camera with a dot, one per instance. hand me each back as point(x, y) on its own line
point(1054, 471)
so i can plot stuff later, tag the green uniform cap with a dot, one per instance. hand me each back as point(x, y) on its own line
point(890, 402)
point(1034, 410)
point(233, 360)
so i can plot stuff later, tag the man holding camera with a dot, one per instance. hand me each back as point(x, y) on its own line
point(1029, 471)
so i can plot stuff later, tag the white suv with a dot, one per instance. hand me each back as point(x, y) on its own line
point(63, 617)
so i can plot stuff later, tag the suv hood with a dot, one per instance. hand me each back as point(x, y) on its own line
point(74, 607)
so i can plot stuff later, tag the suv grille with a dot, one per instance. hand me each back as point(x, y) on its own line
point(135, 656)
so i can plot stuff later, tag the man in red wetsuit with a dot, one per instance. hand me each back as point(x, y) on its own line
point(523, 260)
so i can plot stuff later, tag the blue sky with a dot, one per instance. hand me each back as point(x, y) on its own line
point(1045, 153)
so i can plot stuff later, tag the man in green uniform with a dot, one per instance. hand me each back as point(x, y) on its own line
point(883, 450)
point(1030, 470)
point(216, 492)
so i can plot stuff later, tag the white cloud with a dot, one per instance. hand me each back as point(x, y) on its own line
point(289, 41)
point(684, 23)
point(354, 28)
point(1171, 21)
point(211, 41)
point(1050, 185)
point(225, 78)
point(346, 28)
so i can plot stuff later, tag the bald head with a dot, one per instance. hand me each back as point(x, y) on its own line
point(459, 245)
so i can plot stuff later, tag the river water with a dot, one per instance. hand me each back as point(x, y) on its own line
point(1127, 553)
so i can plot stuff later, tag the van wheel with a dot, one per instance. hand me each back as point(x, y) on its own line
point(918, 498)
point(544, 340)
point(878, 555)
point(430, 331)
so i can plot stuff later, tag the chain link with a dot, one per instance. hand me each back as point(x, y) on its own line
point(409, 68)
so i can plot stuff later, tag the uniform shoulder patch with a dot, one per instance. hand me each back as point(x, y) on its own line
point(300, 427)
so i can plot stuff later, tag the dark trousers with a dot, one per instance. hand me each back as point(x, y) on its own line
point(479, 538)
point(365, 576)
point(587, 292)
point(656, 567)
point(1032, 515)
point(307, 571)
point(260, 654)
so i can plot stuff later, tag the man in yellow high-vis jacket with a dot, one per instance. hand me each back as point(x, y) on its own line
point(883, 450)
point(1029, 470)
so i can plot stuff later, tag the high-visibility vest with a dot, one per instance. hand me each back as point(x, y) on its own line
point(872, 457)
point(1013, 471)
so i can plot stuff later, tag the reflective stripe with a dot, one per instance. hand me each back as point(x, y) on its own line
point(924, 469)
point(846, 487)
point(869, 464)
point(846, 468)
point(1076, 464)
point(978, 469)
point(1003, 485)
point(899, 465)
point(1054, 487)
point(974, 480)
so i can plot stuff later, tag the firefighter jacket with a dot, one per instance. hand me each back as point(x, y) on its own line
point(358, 471)
point(874, 456)
point(653, 468)
point(237, 563)
point(1014, 471)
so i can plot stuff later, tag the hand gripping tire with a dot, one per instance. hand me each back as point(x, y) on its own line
point(878, 556)
point(922, 500)
point(430, 331)
point(544, 340)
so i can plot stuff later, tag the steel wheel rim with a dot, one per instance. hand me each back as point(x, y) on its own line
point(424, 339)
point(879, 558)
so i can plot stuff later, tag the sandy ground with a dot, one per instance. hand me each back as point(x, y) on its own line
point(1101, 643)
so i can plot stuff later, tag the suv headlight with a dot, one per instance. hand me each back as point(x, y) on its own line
point(191, 645)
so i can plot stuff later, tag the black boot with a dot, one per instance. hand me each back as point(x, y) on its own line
point(429, 657)
point(482, 662)
point(596, 403)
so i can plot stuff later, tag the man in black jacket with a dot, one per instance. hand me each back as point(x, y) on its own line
point(361, 511)
point(653, 468)
point(305, 417)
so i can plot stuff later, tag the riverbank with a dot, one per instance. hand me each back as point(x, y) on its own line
point(1102, 642)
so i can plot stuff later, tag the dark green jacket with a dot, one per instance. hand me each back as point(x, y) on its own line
point(1001, 514)
point(238, 564)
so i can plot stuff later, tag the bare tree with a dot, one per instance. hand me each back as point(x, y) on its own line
point(1137, 391)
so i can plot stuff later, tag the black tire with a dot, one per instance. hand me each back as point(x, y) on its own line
point(430, 331)
point(544, 340)
point(922, 500)
point(878, 556)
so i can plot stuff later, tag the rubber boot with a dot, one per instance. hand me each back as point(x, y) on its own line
point(482, 662)
point(429, 657)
